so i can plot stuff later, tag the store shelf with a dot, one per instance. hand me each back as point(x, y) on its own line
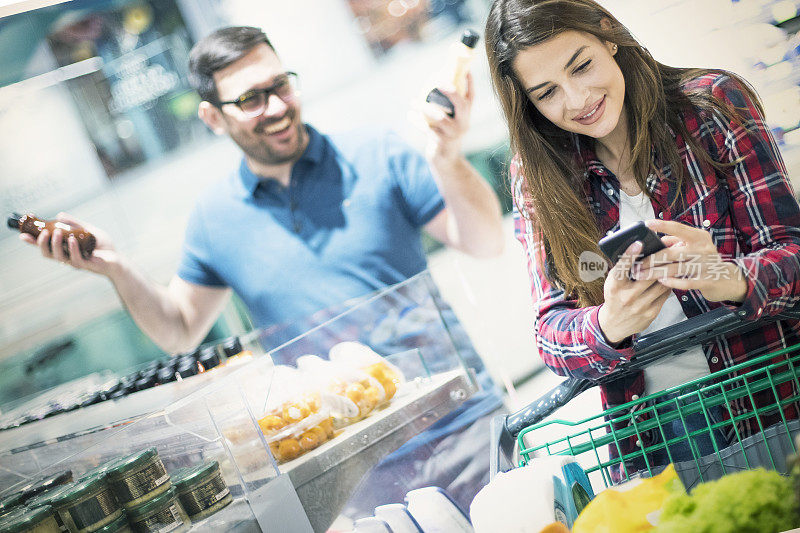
point(99, 416)
point(214, 417)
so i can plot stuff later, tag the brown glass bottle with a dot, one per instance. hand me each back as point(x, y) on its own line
point(33, 226)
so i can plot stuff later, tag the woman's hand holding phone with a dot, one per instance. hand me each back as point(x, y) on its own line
point(630, 305)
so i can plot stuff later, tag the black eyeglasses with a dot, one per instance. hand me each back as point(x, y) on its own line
point(254, 102)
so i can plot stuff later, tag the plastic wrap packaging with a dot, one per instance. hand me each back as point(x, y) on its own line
point(359, 356)
point(295, 420)
point(350, 393)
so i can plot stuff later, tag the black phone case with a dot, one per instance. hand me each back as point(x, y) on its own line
point(438, 97)
point(614, 245)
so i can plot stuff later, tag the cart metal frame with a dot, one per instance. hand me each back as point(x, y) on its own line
point(761, 374)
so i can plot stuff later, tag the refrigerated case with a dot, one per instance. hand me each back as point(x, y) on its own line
point(215, 416)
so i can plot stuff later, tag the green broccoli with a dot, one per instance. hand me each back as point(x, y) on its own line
point(756, 501)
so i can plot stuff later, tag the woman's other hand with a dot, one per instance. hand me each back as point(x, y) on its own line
point(630, 305)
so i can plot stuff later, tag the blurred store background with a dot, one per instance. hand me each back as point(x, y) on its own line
point(97, 119)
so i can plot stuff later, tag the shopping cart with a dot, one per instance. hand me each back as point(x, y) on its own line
point(588, 440)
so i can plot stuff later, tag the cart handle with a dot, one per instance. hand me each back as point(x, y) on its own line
point(648, 349)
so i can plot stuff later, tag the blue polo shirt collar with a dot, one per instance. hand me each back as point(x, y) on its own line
point(313, 153)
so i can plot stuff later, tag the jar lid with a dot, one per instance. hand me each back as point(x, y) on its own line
point(207, 352)
point(231, 346)
point(185, 478)
point(51, 481)
point(166, 374)
point(97, 397)
point(48, 497)
point(151, 506)
point(118, 394)
point(145, 383)
point(116, 525)
point(187, 359)
point(131, 462)
point(209, 357)
point(187, 369)
point(153, 366)
point(24, 519)
point(100, 470)
point(11, 501)
point(78, 490)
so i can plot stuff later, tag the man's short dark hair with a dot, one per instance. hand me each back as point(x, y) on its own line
point(218, 50)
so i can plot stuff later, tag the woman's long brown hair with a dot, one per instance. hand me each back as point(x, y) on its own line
point(655, 96)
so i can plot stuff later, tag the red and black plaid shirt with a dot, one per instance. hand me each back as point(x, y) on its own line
point(753, 217)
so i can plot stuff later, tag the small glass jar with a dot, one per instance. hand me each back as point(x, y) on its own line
point(138, 478)
point(87, 505)
point(26, 520)
point(161, 514)
point(201, 490)
point(47, 498)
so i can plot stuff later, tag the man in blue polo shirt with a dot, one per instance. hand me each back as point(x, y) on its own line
point(309, 221)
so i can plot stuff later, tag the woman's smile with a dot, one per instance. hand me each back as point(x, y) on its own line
point(595, 113)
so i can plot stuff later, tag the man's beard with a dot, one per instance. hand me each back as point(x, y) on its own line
point(260, 150)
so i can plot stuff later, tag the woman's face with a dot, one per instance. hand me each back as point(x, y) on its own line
point(574, 81)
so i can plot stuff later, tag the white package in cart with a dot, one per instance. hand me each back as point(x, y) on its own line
point(532, 498)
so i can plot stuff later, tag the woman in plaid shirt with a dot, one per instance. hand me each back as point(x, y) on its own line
point(604, 136)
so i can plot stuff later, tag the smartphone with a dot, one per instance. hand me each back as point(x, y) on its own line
point(614, 245)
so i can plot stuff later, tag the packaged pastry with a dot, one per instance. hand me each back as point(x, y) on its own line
point(357, 355)
point(350, 393)
point(295, 420)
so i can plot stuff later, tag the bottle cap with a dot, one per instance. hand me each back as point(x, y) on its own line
point(231, 346)
point(470, 38)
point(191, 476)
point(165, 375)
point(209, 357)
point(13, 220)
point(187, 369)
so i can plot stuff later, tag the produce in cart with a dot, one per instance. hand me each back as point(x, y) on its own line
point(757, 500)
point(630, 507)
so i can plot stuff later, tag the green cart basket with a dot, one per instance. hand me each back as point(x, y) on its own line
point(768, 381)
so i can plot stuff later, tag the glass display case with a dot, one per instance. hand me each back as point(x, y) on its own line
point(292, 442)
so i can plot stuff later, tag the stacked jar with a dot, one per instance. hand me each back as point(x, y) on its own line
point(142, 486)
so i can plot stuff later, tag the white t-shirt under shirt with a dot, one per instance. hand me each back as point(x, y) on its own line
point(676, 369)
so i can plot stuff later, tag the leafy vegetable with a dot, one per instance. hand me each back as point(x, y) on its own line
point(756, 501)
